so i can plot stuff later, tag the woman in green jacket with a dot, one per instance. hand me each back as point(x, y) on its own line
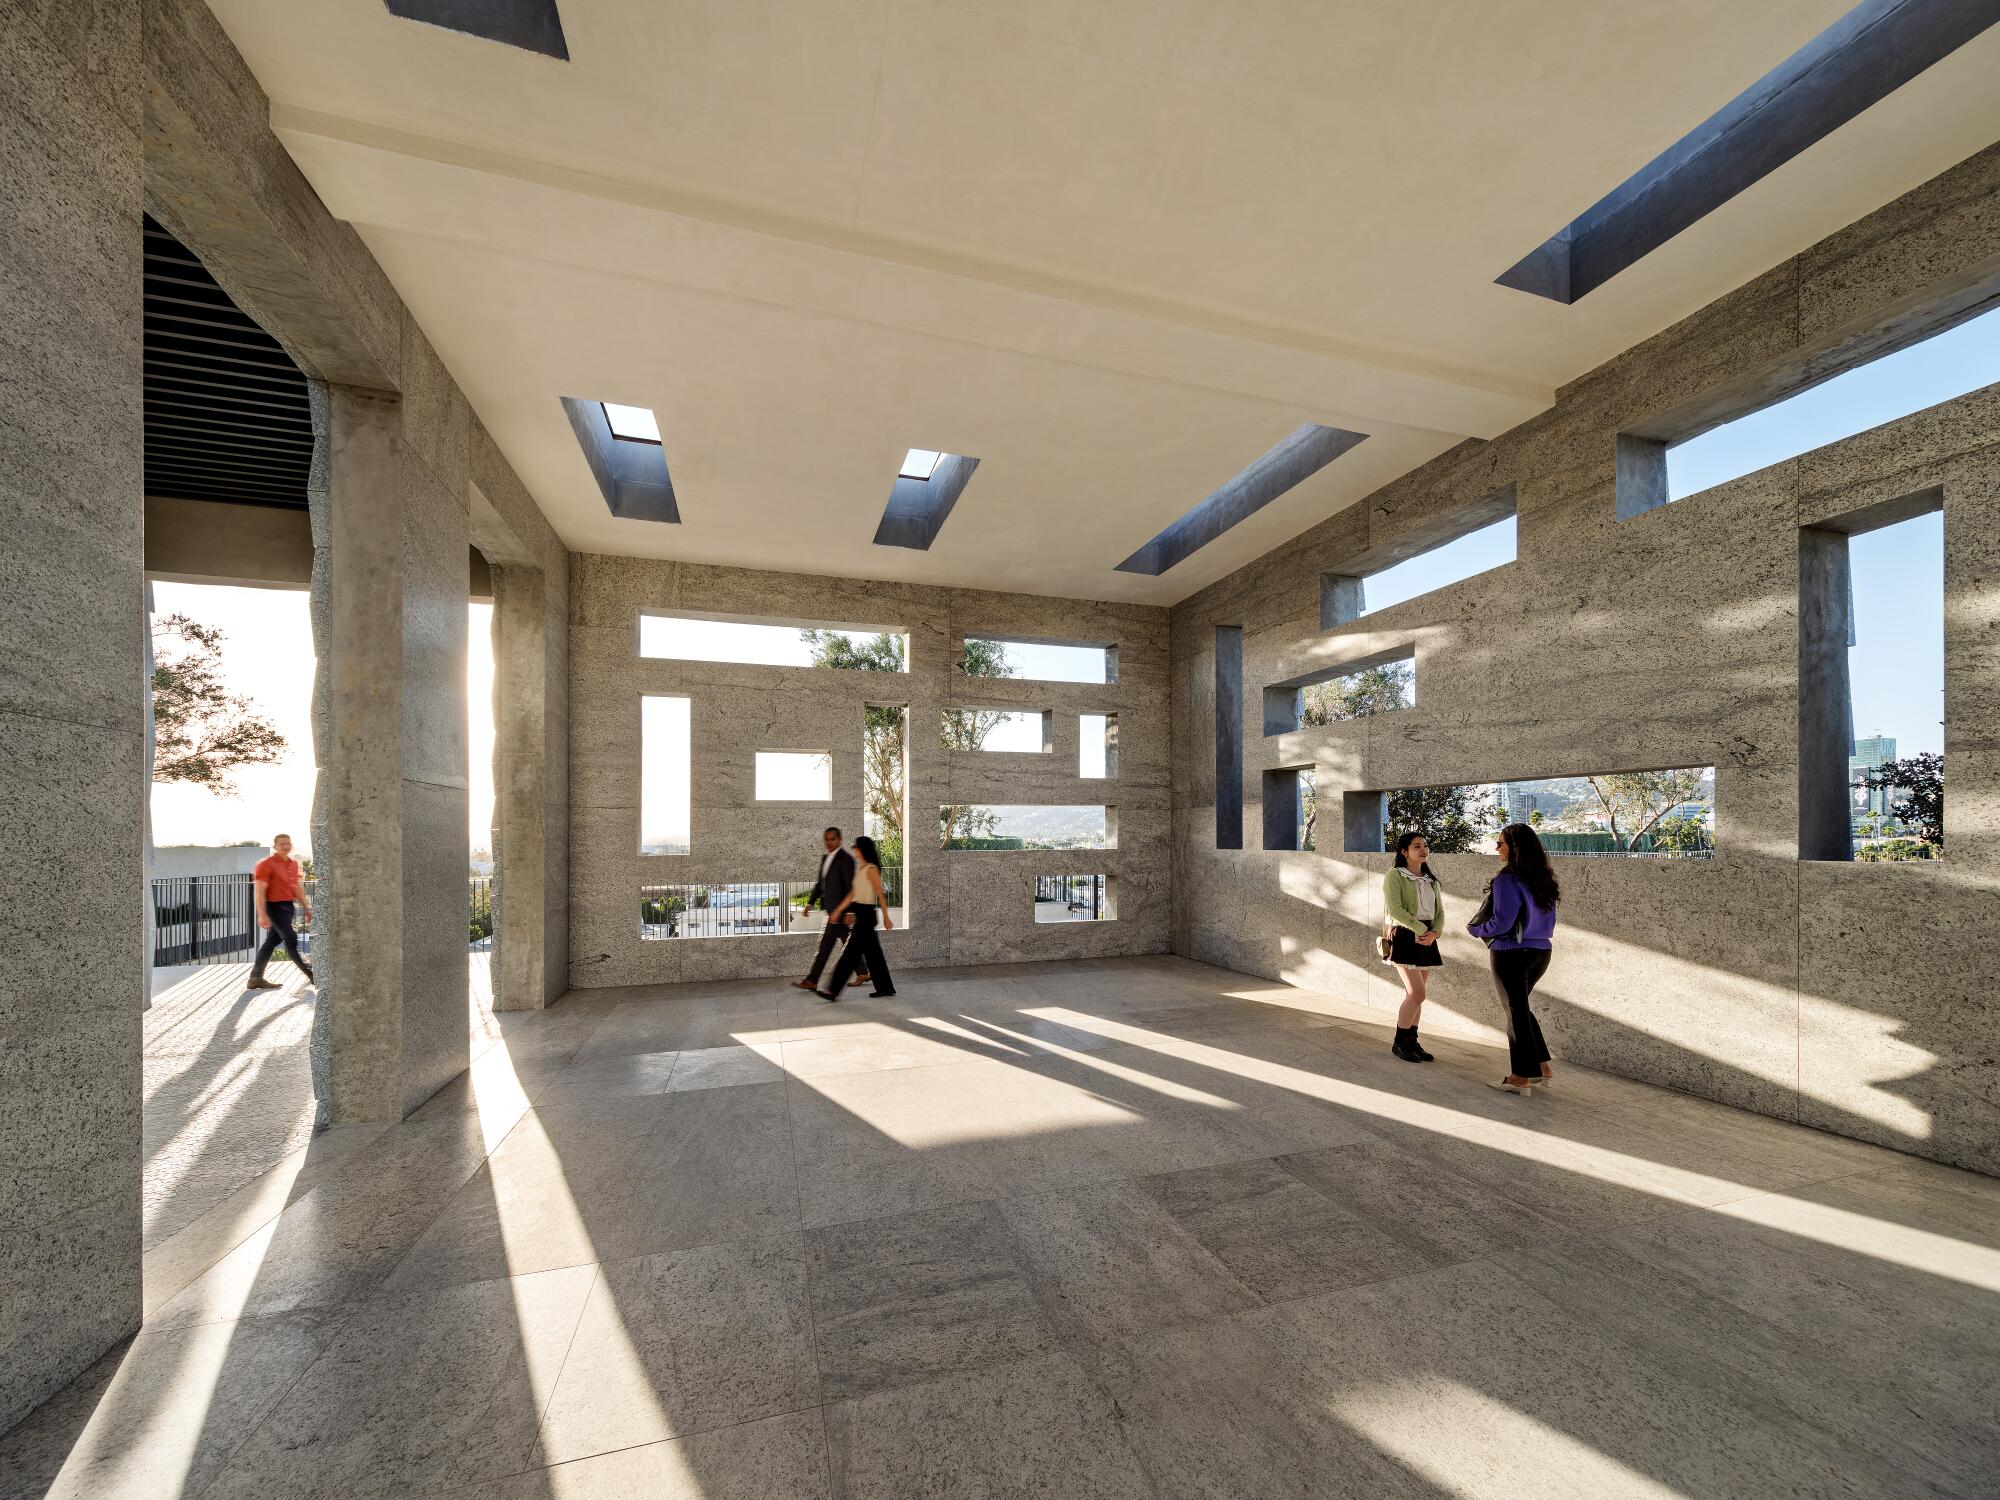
point(1413, 905)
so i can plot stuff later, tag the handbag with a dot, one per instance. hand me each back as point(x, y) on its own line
point(1385, 945)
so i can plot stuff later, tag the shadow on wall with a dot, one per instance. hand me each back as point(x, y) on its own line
point(1695, 996)
point(569, 1261)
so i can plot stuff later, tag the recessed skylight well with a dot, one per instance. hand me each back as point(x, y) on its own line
point(622, 446)
point(1290, 463)
point(1861, 59)
point(632, 424)
point(532, 25)
point(927, 487)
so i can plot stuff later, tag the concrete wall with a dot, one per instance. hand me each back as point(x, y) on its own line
point(967, 906)
point(270, 546)
point(72, 660)
point(1854, 997)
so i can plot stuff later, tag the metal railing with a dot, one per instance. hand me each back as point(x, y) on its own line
point(212, 919)
point(762, 908)
point(479, 899)
point(1079, 897)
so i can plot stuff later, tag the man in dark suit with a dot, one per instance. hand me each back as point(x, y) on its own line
point(836, 877)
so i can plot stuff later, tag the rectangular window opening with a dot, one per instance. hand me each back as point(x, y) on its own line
point(1355, 691)
point(794, 776)
point(885, 796)
point(769, 908)
point(755, 643)
point(1480, 550)
point(1040, 661)
point(1291, 808)
point(665, 775)
point(1017, 826)
point(1915, 378)
point(1871, 685)
point(1073, 898)
point(1629, 814)
point(1097, 747)
point(1002, 730)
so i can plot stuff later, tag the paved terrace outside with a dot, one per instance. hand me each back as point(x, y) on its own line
point(1119, 1228)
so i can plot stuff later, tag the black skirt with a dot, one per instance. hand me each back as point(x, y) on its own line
point(1406, 951)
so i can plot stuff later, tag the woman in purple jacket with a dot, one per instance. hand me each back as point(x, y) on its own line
point(1523, 920)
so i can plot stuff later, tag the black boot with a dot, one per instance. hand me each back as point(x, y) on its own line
point(1405, 1045)
point(1418, 1047)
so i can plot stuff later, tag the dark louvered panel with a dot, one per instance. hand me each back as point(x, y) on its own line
point(226, 410)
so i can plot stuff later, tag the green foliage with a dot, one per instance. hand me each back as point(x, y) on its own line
point(1921, 779)
point(1635, 800)
point(202, 732)
point(1682, 835)
point(882, 727)
point(1896, 849)
point(1444, 815)
point(1372, 690)
point(482, 923)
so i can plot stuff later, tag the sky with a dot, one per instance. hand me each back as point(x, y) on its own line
point(267, 655)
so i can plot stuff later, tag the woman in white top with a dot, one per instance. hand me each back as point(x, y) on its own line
point(866, 900)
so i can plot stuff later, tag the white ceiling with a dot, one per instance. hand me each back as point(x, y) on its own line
point(1114, 249)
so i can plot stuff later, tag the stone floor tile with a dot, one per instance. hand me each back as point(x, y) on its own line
point(725, 1067)
point(780, 1458)
point(611, 1077)
point(416, 1392)
point(901, 1300)
point(1278, 1235)
point(1035, 1426)
point(1109, 1266)
point(683, 1342)
point(160, 1414)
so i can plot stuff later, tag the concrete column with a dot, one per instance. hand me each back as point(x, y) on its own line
point(389, 818)
point(520, 695)
point(72, 694)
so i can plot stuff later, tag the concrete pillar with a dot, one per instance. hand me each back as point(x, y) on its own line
point(520, 695)
point(72, 694)
point(390, 843)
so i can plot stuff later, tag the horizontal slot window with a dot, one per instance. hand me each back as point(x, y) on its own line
point(1939, 369)
point(996, 826)
point(1039, 661)
point(753, 643)
point(1657, 814)
point(756, 909)
point(794, 776)
point(1073, 898)
point(1479, 551)
point(1013, 731)
point(1333, 696)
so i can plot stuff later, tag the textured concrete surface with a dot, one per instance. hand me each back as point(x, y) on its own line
point(72, 676)
point(1127, 1227)
point(966, 906)
point(1753, 978)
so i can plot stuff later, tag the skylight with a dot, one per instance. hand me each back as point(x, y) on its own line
point(634, 424)
point(919, 463)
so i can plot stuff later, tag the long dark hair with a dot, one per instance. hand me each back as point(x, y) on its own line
point(865, 846)
point(1528, 862)
point(1403, 842)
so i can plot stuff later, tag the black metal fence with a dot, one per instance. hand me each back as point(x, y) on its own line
point(760, 908)
point(1070, 898)
point(212, 919)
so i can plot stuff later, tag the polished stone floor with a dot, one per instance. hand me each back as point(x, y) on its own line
point(1121, 1228)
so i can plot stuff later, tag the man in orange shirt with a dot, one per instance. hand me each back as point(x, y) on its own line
point(280, 886)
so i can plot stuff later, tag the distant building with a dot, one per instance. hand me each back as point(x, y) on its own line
point(1869, 754)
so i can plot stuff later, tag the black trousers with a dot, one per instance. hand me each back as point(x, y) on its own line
point(1516, 972)
point(280, 913)
point(863, 947)
point(836, 932)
